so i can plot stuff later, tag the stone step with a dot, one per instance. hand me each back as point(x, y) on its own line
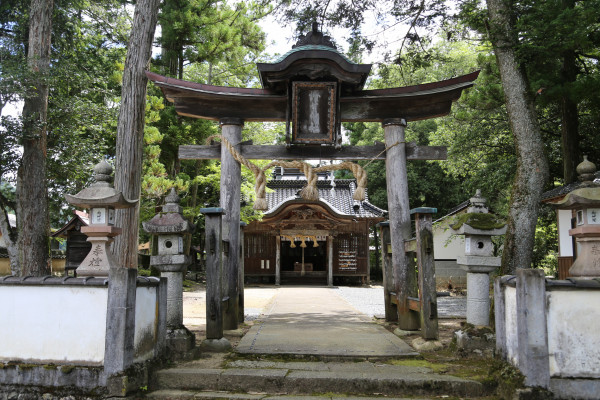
point(308, 378)
point(188, 395)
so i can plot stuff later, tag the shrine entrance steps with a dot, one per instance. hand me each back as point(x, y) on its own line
point(310, 342)
point(296, 379)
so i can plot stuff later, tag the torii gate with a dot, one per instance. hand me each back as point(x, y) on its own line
point(313, 88)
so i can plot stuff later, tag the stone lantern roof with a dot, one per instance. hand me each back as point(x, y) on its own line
point(587, 194)
point(101, 193)
point(170, 220)
point(477, 220)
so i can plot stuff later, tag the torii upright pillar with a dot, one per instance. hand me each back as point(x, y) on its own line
point(399, 211)
point(231, 179)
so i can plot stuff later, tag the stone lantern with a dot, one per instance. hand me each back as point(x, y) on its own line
point(101, 199)
point(478, 226)
point(170, 232)
point(585, 202)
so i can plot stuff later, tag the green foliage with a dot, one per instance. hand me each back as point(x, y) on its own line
point(545, 250)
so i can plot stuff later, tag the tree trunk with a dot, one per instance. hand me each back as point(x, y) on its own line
point(32, 197)
point(130, 129)
point(532, 166)
point(569, 115)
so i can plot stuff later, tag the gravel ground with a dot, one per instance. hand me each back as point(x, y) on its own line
point(370, 302)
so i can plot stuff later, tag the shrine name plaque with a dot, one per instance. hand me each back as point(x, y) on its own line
point(314, 112)
point(347, 261)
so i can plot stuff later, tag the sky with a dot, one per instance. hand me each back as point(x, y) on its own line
point(280, 38)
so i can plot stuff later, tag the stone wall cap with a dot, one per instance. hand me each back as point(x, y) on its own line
point(212, 210)
point(423, 210)
point(49, 280)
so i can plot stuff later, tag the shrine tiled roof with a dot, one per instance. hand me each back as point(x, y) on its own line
point(338, 195)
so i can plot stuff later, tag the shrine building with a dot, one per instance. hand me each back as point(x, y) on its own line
point(310, 241)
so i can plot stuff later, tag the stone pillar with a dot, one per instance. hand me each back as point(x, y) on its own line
point(391, 313)
point(532, 328)
point(214, 265)
point(399, 212)
point(500, 316)
point(170, 231)
point(231, 178)
point(120, 320)
point(277, 260)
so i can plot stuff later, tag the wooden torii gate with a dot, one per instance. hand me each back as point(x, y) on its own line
point(313, 88)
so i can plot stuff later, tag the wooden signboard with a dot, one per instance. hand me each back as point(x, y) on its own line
point(348, 260)
point(314, 112)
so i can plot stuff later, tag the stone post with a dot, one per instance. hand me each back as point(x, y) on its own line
point(214, 297)
point(231, 178)
point(478, 227)
point(170, 232)
point(399, 212)
point(532, 328)
point(120, 320)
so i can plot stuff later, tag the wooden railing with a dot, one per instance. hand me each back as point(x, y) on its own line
point(418, 310)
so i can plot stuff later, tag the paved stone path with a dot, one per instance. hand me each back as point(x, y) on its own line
point(317, 321)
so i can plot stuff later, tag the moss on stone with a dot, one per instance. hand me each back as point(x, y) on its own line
point(435, 367)
point(25, 366)
point(67, 369)
point(478, 221)
point(49, 366)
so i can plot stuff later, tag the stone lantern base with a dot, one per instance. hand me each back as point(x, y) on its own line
point(478, 287)
point(180, 343)
point(587, 263)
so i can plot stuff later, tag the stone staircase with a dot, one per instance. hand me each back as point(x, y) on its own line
point(242, 379)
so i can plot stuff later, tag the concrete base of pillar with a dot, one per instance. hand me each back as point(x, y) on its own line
point(180, 343)
point(215, 345)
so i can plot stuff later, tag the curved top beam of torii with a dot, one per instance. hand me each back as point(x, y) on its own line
point(216, 102)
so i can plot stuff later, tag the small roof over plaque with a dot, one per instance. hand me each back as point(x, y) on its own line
point(313, 57)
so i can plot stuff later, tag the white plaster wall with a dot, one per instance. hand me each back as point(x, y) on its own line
point(565, 243)
point(53, 323)
point(574, 333)
point(444, 249)
point(510, 301)
point(146, 323)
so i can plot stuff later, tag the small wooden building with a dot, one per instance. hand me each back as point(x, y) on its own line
point(77, 245)
point(299, 240)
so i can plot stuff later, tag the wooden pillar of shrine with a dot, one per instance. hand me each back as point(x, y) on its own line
point(399, 212)
point(330, 260)
point(277, 260)
point(231, 178)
